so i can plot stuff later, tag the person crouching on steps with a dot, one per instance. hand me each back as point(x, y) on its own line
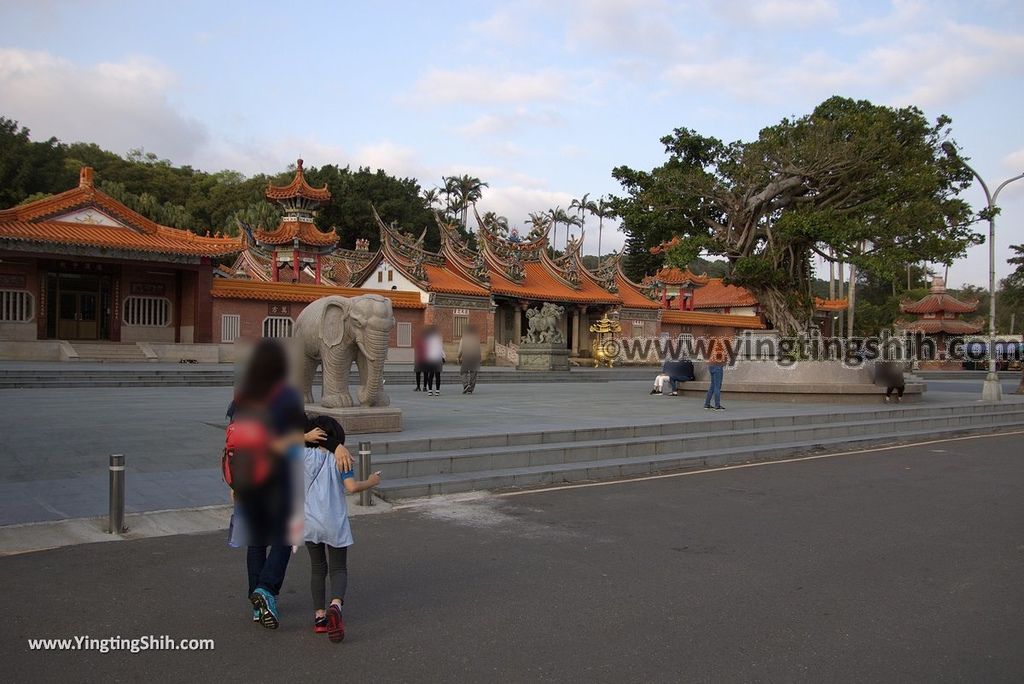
point(327, 531)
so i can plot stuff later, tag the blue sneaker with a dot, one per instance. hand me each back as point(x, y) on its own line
point(264, 602)
point(255, 614)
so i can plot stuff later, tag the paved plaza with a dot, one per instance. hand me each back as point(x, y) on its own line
point(56, 441)
point(894, 565)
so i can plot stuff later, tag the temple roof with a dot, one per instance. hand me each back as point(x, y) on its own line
point(831, 304)
point(938, 300)
point(951, 326)
point(298, 188)
point(716, 295)
point(291, 228)
point(671, 275)
point(294, 292)
point(88, 217)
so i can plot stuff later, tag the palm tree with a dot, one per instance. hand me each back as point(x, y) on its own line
point(499, 224)
point(431, 197)
point(556, 216)
point(466, 190)
point(569, 222)
point(602, 209)
point(581, 206)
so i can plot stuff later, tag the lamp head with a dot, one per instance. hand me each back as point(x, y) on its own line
point(949, 149)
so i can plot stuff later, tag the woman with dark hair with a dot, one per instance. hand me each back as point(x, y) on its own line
point(267, 509)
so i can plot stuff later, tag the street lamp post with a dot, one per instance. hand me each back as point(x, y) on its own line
point(991, 390)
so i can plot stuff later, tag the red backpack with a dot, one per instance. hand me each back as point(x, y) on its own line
point(248, 460)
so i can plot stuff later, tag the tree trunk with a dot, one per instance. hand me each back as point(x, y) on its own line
point(777, 307)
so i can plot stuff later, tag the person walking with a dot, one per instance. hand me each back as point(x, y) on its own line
point(269, 412)
point(327, 532)
point(717, 359)
point(433, 358)
point(470, 356)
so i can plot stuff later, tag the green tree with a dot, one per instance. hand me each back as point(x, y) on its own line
point(865, 184)
point(581, 206)
point(602, 209)
point(28, 168)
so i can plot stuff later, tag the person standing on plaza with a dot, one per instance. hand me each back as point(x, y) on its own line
point(470, 356)
point(717, 359)
point(889, 374)
point(418, 363)
point(433, 358)
point(266, 506)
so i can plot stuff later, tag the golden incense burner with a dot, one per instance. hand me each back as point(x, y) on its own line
point(604, 328)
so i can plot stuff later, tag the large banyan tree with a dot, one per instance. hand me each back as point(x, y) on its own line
point(851, 182)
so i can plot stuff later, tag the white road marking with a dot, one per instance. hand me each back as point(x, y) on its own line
point(703, 471)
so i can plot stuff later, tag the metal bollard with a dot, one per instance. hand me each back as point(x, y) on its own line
point(116, 524)
point(365, 496)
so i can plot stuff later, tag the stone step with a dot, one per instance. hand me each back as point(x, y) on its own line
point(486, 458)
point(613, 468)
point(721, 423)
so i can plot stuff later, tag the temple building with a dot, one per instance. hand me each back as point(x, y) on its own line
point(80, 265)
point(938, 317)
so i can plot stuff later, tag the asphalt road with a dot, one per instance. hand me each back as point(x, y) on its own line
point(896, 565)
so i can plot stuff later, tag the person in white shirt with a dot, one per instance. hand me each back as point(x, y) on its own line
point(433, 357)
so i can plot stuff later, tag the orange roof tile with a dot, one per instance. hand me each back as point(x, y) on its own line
point(538, 284)
point(39, 222)
point(704, 318)
point(291, 228)
point(952, 326)
point(936, 302)
point(292, 292)
point(164, 241)
point(676, 276)
point(631, 296)
point(445, 280)
point(716, 295)
point(298, 188)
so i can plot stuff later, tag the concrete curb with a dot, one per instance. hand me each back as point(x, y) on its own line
point(40, 536)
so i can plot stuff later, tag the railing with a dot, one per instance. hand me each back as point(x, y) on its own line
point(506, 352)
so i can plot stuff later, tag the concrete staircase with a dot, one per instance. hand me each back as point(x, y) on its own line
point(421, 467)
point(109, 352)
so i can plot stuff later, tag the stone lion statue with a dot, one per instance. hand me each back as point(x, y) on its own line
point(543, 327)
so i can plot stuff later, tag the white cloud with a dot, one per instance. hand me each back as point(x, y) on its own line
point(777, 12)
point(926, 69)
point(645, 26)
point(490, 86)
point(1015, 161)
point(118, 105)
point(505, 123)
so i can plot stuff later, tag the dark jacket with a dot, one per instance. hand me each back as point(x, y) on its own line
point(678, 371)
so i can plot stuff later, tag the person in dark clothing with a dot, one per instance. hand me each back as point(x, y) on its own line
point(268, 510)
point(889, 374)
point(418, 364)
point(677, 371)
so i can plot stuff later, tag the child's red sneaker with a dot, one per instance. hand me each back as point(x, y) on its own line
point(320, 625)
point(335, 625)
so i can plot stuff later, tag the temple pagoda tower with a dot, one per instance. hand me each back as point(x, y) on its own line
point(297, 242)
point(938, 315)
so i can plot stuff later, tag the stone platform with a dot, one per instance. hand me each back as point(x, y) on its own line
point(821, 382)
point(359, 420)
point(543, 357)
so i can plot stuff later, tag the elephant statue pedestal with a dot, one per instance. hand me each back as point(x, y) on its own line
point(359, 420)
point(543, 356)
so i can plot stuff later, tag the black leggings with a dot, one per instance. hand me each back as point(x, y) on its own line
point(324, 559)
point(434, 376)
point(419, 376)
point(899, 391)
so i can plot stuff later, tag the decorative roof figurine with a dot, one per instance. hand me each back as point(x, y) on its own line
point(480, 270)
point(515, 266)
point(513, 236)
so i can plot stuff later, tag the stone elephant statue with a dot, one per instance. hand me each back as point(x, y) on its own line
point(336, 331)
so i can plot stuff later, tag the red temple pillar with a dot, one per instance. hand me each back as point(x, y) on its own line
point(682, 300)
point(318, 268)
point(295, 264)
point(204, 303)
point(664, 298)
point(275, 269)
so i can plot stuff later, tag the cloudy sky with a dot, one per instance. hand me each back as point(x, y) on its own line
point(539, 98)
